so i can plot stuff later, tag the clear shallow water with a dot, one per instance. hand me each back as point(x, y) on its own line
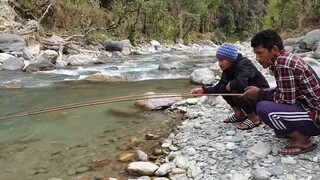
point(57, 144)
point(50, 144)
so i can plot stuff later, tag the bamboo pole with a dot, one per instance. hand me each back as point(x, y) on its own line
point(108, 100)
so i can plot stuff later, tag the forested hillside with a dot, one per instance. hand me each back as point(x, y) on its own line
point(170, 20)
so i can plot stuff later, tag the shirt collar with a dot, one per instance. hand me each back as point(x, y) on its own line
point(275, 57)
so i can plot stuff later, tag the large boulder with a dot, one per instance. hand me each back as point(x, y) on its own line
point(47, 55)
point(11, 42)
point(316, 54)
point(202, 76)
point(4, 56)
point(13, 64)
point(126, 50)
point(41, 66)
point(113, 46)
point(83, 60)
point(293, 41)
point(310, 39)
point(156, 103)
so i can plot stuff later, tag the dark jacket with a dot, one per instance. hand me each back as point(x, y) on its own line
point(241, 74)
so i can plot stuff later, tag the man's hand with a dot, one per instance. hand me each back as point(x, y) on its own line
point(196, 91)
point(251, 92)
point(228, 87)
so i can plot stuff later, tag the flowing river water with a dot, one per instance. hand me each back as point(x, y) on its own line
point(66, 143)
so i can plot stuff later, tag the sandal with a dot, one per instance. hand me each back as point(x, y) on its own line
point(233, 119)
point(300, 148)
point(249, 124)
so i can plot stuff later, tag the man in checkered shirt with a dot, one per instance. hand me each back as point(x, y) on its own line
point(292, 108)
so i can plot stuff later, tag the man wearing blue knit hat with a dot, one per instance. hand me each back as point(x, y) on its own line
point(238, 72)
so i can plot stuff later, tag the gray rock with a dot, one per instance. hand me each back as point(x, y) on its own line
point(47, 55)
point(202, 76)
point(165, 168)
point(11, 42)
point(113, 46)
point(42, 66)
point(181, 162)
point(13, 64)
point(310, 39)
point(277, 170)
point(142, 156)
point(4, 57)
point(142, 168)
point(259, 150)
point(261, 174)
point(83, 60)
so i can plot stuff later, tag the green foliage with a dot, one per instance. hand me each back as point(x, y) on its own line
point(173, 20)
point(283, 14)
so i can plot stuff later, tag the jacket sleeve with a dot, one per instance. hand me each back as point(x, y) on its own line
point(211, 89)
point(246, 71)
point(215, 88)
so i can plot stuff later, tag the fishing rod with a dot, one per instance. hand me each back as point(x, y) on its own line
point(110, 100)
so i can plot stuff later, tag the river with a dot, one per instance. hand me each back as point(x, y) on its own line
point(65, 143)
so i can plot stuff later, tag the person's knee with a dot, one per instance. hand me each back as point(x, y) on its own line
point(262, 108)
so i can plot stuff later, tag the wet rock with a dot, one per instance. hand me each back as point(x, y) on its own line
point(101, 162)
point(125, 157)
point(55, 178)
point(156, 103)
point(12, 84)
point(82, 169)
point(83, 60)
point(42, 66)
point(152, 137)
point(157, 151)
point(71, 171)
point(100, 77)
point(142, 168)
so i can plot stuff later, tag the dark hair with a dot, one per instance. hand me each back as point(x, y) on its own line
point(268, 39)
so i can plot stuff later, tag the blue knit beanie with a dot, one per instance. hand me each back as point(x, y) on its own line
point(228, 52)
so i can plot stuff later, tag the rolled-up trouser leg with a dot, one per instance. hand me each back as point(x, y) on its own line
point(285, 119)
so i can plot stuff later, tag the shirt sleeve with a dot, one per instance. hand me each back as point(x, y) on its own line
point(246, 72)
point(286, 89)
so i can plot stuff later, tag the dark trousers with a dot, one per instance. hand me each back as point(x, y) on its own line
point(285, 119)
point(246, 105)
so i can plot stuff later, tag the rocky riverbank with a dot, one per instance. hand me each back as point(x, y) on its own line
point(206, 148)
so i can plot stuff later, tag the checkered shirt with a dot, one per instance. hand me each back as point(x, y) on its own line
point(297, 83)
